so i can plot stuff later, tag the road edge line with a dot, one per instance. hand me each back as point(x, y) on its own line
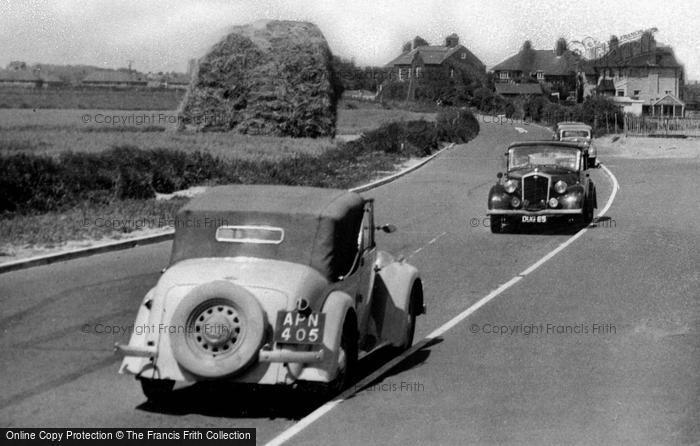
point(300, 425)
point(120, 245)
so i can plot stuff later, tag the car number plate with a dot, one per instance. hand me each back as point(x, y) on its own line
point(534, 219)
point(295, 328)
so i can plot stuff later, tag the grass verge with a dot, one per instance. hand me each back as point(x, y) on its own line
point(49, 200)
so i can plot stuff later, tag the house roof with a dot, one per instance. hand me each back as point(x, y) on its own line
point(116, 77)
point(662, 56)
point(606, 85)
point(519, 89)
point(669, 99)
point(541, 60)
point(433, 55)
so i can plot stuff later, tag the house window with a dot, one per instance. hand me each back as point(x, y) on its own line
point(452, 72)
point(404, 73)
point(540, 75)
point(419, 72)
point(668, 91)
point(504, 75)
point(636, 92)
point(463, 55)
point(620, 92)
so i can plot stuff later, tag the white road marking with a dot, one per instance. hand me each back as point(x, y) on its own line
point(520, 130)
point(327, 407)
point(435, 239)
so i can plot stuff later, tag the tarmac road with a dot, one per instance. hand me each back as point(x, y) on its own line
point(635, 277)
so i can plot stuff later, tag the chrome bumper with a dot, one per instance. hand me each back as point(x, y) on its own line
point(263, 355)
point(542, 212)
point(139, 352)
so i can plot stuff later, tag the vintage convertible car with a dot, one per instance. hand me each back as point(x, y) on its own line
point(544, 180)
point(574, 131)
point(272, 285)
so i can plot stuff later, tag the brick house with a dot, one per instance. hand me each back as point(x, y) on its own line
point(421, 60)
point(643, 70)
point(560, 71)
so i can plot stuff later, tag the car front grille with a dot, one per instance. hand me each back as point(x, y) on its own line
point(535, 189)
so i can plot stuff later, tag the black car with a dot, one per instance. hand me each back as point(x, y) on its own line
point(544, 180)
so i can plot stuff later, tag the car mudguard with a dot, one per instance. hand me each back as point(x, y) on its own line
point(393, 285)
point(336, 307)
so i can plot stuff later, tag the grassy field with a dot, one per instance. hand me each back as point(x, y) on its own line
point(356, 117)
point(52, 131)
point(91, 98)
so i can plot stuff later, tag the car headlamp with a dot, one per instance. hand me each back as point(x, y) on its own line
point(510, 186)
point(560, 187)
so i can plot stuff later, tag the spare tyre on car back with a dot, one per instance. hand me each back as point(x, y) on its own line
point(219, 329)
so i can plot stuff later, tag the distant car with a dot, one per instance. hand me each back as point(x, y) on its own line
point(272, 285)
point(544, 180)
point(574, 131)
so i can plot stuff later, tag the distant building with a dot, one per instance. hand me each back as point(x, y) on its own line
point(168, 80)
point(25, 78)
point(544, 66)
point(422, 60)
point(642, 70)
point(117, 79)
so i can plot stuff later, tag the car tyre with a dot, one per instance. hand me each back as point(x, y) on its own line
point(411, 317)
point(587, 212)
point(347, 357)
point(157, 390)
point(230, 348)
point(496, 224)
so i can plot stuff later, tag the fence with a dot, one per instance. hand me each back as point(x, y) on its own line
point(661, 126)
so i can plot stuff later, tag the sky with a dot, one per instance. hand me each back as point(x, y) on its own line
point(163, 35)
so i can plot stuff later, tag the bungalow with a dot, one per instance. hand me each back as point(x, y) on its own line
point(646, 71)
point(27, 79)
point(545, 66)
point(118, 79)
point(423, 60)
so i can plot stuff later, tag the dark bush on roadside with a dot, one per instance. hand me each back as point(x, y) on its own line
point(456, 125)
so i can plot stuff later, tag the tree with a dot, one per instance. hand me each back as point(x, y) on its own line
point(419, 41)
point(561, 46)
point(406, 47)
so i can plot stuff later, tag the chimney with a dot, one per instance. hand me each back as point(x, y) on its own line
point(452, 41)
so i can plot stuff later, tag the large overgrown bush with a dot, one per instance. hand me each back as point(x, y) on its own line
point(456, 125)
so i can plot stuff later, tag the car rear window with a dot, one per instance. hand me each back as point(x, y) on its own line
point(250, 234)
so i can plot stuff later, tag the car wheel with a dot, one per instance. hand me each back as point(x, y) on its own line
point(411, 318)
point(157, 390)
point(217, 330)
point(588, 212)
point(347, 357)
point(496, 224)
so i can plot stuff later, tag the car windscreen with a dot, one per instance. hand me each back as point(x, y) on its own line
point(575, 134)
point(532, 156)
